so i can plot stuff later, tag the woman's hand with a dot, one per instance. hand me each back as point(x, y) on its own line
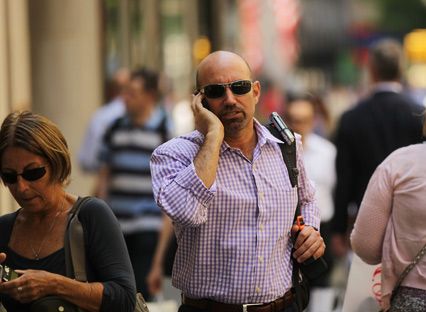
point(29, 286)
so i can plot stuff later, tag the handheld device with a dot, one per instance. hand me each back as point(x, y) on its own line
point(203, 100)
point(280, 125)
point(205, 103)
point(7, 274)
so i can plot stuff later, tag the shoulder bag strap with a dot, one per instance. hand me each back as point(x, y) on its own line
point(289, 156)
point(407, 270)
point(75, 255)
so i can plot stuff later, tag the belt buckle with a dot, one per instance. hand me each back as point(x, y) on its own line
point(245, 306)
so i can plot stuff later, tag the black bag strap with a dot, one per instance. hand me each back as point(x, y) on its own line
point(75, 254)
point(288, 152)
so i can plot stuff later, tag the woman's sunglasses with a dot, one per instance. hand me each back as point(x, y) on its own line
point(215, 91)
point(28, 174)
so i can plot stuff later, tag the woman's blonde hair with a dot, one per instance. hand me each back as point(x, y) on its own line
point(38, 135)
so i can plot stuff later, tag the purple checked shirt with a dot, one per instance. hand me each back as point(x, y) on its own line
point(234, 244)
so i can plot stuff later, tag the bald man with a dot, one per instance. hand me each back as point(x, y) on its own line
point(227, 190)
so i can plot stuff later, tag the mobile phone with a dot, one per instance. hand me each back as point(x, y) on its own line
point(280, 125)
point(7, 274)
point(203, 100)
point(205, 103)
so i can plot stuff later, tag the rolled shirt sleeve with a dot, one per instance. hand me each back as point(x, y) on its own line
point(177, 188)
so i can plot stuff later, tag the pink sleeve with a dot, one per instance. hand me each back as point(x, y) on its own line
point(373, 216)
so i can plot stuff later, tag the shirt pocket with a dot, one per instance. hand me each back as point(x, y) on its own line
point(280, 210)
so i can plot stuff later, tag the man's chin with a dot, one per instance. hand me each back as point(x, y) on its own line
point(233, 125)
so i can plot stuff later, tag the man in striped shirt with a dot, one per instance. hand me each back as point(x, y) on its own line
point(124, 177)
point(227, 190)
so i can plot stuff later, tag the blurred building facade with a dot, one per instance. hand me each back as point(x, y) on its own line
point(55, 56)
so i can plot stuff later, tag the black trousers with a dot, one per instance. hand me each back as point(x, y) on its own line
point(187, 308)
point(141, 247)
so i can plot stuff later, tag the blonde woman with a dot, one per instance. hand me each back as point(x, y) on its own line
point(35, 166)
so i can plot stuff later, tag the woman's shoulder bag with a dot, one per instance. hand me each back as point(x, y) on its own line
point(75, 262)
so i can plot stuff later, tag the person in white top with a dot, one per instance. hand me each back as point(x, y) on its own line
point(319, 156)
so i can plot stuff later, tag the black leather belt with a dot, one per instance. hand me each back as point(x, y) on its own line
point(213, 306)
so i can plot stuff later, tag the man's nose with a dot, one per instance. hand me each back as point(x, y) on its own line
point(229, 96)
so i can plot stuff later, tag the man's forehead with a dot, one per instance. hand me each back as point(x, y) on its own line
point(225, 65)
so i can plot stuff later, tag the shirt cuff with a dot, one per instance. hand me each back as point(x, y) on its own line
point(189, 180)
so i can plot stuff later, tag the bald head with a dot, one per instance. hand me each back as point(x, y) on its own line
point(228, 62)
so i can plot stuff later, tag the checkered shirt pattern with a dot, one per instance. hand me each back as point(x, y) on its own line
point(233, 239)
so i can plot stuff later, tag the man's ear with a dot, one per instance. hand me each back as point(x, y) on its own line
point(256, 90)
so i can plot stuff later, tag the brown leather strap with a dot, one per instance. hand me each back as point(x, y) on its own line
point(214, 306)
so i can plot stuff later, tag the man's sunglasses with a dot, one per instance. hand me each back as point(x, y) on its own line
point(215, 91)
point(29, 175)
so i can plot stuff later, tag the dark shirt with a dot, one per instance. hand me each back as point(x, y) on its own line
point(106, 255)
point(366, 135)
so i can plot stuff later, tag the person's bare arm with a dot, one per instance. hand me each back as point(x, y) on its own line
point(155, 275)
point(207, 159)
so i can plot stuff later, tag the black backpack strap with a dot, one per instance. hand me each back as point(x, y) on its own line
point(288, 152)
point(289, 156)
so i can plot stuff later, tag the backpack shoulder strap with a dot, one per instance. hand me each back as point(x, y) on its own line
point(288, 152)
point(289, 155)
point(75, 254)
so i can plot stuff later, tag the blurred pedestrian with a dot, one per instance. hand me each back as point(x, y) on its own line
point(390, 227)
point(226, 187)
point(35, 166)
point(125, 178)
point(369, 132)
point(100, 121)
point(319, 157)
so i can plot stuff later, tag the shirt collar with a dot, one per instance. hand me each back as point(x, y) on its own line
point(387, 86)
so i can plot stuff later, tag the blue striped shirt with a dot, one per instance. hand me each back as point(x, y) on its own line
point(234, 238)
point(127, 150)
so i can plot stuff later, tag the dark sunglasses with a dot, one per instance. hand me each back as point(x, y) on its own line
point(29, 175)
point(215, 91)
